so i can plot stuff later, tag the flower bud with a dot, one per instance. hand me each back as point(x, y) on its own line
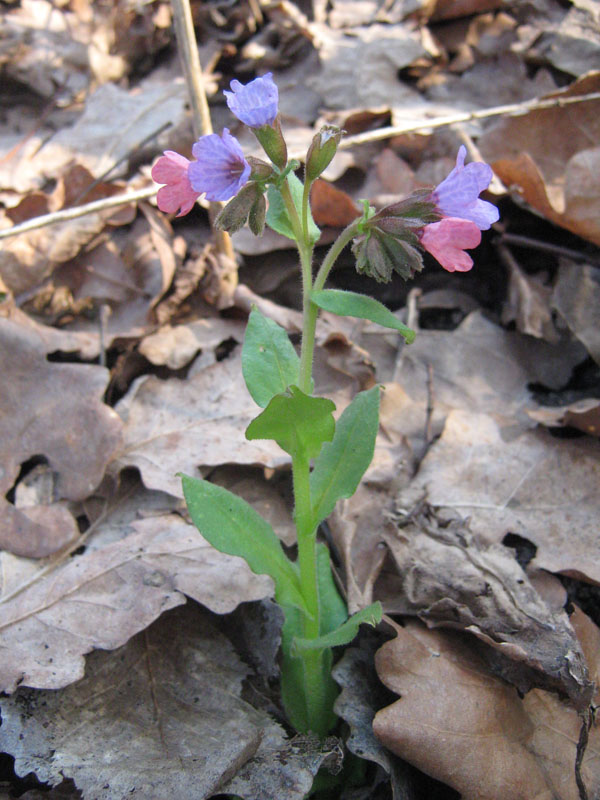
point(379, 255)
point(273, 143)
point(261, 171)
point(234, 215)
point(257, 215)
point(321, 151)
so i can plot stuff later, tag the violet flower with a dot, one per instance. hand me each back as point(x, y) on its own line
point(220, 170)
point(178, 194)
point(254, 104)
point(447, 239)
point(458, 194)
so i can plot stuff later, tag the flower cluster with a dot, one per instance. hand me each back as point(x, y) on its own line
point(463, 214)
point(445, 222)
point(220, 169)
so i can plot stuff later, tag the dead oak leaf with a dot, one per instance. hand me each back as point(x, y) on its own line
point(183, 425)
point(102, 598)
point(523, 482)
point(155, 718)
point(53, 411)
point(471, 730)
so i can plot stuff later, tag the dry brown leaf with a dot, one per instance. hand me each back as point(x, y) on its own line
point(573, 44)
point(52, 411)
point(177, 346)
point(44, 47)
point(557, 173)
point(186, 425)
point(161, 717)
point(92, 142)
point(447, 577)
point(479, 367)
point(528, 303)
point(102, 598)
point(576, 297)
point(361, 71)
point(523, 482)
point(582, 414)
point(330, 206)
point(470, 730)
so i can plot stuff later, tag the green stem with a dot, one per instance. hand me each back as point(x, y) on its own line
point(334, 251)
point(305, 199)
point(307, 540)
point(311, 311)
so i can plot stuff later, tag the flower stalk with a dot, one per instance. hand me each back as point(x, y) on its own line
point(328, 458)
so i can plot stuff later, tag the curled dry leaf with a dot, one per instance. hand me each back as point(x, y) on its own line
point(155, 718)
point(102, 598)
point(446, 577)
point(52, 411)
point(470, 730)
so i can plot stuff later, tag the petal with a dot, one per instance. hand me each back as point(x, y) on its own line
point(170, 167)
point(447, 239)
point(221, 169)
point(254, 104)
point(458, 194)
point(176, 197)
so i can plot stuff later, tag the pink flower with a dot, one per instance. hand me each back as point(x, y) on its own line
point(447, 239)
point(177, 195)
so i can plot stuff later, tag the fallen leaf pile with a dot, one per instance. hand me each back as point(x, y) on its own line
point(136, 660)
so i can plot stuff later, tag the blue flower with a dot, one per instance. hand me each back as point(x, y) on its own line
point(254, 104)
point(220, 170)
point(458, 194)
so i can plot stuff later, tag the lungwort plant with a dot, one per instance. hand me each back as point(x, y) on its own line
point(329, 458)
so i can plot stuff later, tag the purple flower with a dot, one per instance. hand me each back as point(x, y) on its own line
point(254, 104)
point(221, 169)
point(458, 194)
point(177, 195)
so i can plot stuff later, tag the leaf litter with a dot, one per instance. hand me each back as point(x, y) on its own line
point(99, 555)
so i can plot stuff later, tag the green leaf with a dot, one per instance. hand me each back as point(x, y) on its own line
point(232, 526)
point(277, 215)
point(344, 634)
point(269, 362)
point(298, 423)
point(333, 609)
point(350, 304)
point(342, 463)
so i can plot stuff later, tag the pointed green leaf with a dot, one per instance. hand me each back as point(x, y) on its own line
point(350, 304)
point(232, 526)
point(344, 634)
point(277, 215)
point(269, 362)
point(342, 463)
point(298, 423)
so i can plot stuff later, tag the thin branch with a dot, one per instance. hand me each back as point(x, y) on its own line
point(79, 211)
point(361, 138)
point(192, 69)
point(512, 110)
